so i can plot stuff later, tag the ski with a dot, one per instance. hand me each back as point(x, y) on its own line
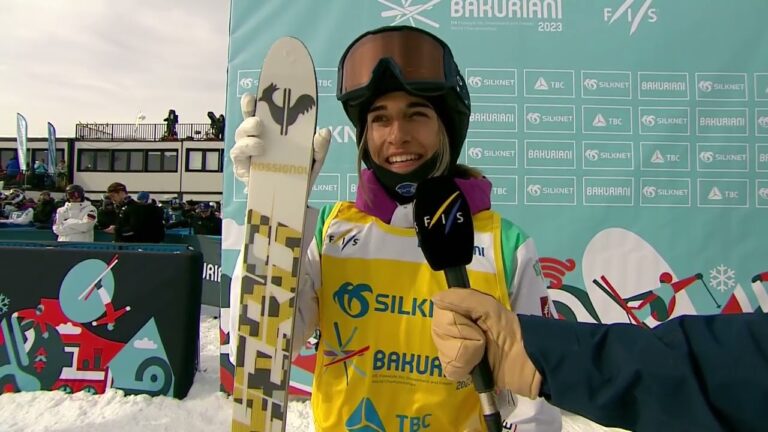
point(275, 212)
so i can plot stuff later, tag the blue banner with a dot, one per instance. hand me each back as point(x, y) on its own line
point(21, 141)
point(51, 149)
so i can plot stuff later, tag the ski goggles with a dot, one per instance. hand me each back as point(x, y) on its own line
point(421, 62)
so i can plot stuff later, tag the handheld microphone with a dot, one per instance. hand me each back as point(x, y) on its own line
point(447, 239)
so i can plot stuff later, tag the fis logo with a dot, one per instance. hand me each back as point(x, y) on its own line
point(344, 239)
point(408, 12)
point(634, 11)
point(445, 215)
point(649, 191)
point(707, 156)
point(592, 154)
point(286, 112)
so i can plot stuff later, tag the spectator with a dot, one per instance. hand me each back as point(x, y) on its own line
point(142, 197)
point(206, 222)
point(61, 175)
point(136, 222)
point(12, 203)
point(170, 126)
point(106, 215)
point(75, 221)
point(44, 210)
point(40, 173)
point(12, 169)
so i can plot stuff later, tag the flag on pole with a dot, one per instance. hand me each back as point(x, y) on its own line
point(21, 141)
point(51, 149)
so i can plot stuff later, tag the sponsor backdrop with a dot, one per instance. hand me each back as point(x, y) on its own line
point(629, 138)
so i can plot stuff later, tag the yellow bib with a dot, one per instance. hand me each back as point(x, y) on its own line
point(377, 368)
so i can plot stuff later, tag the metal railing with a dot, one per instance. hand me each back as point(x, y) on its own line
point(143, 132)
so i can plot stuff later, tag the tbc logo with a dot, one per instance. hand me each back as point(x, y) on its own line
point(475, 152)
point(475, 81)
point(352, 300)
point(365, 418)
point(287, 113)
point(592, 154)
point(534, 190)
point(649, 191)
point(534, 117)
point(408, 12)
point(634, 16)
point(707, 156)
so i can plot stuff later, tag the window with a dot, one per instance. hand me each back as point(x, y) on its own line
point(162, 160)
point(128, 160)
point(93, 160)
point(204, 160)
point(5, 156)
point(38, 154)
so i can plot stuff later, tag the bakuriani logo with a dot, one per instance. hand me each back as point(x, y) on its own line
point(354, 301)
point(635, 12)
point(409, 12)
point(287, 111)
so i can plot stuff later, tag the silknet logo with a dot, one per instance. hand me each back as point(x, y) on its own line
point(649, 191)
point(534, 190)
point(648, 120)
point(247, 83)
point(763, 121)
point(763, 192)
point(592, 154)
point(706, 86)
point(590, 83)
point(475, 152)
point(634, 12)
point(408, 12)
point(707, 156)
point(533, 117)
point(475, 81)
point(352, 299)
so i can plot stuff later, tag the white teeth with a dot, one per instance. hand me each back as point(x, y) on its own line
point(403, 158)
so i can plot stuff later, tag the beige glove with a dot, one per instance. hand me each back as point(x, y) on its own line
point(465, 324)
point(248, 143)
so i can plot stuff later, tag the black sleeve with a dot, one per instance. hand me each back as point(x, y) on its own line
point(702, 373)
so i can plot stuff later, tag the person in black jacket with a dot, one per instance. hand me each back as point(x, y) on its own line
point(691, 373)
point(131, 225)
point(44, 210)
point(205, 222)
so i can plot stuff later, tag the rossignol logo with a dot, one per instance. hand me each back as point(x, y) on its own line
point(445, 215)
point(408, 12)
point(354, 302)
point(520, 9)
point(279, 168)
point(286, 112)
point(635, 12)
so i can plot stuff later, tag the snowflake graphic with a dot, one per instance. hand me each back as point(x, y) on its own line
point(4, 303)
point(722, 278)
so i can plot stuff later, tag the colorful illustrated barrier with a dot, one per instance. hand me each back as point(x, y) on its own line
point(89, 317)
point(629, 138)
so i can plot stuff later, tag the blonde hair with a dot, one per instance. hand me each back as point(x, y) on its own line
point(443, 153)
